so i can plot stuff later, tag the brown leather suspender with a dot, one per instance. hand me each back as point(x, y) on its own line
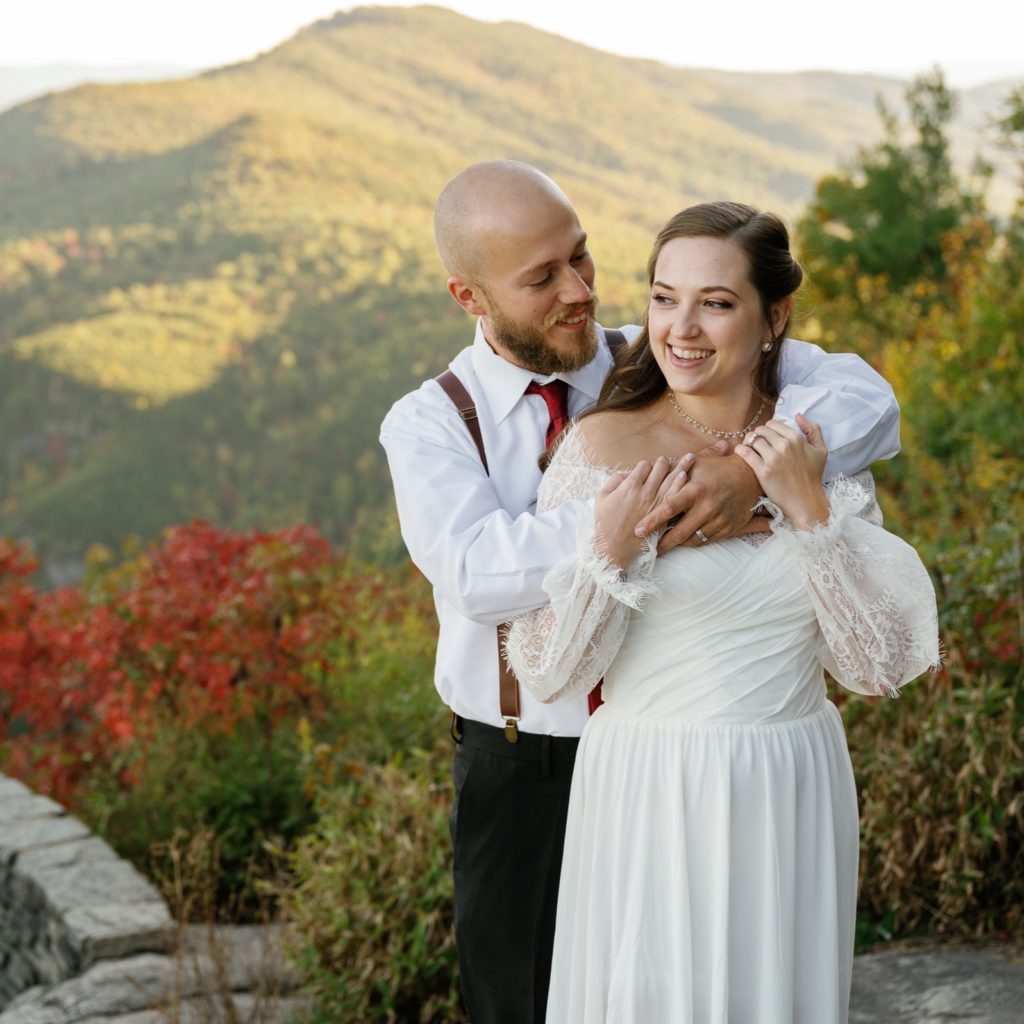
point(456, 391)
point(508, 685)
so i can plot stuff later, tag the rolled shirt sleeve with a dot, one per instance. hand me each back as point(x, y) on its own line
point(854, 405)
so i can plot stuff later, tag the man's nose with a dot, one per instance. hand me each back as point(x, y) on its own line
point(575, 288)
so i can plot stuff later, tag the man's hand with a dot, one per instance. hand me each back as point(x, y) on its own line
point(716, 499)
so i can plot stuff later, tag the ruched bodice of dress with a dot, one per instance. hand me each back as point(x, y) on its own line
point(732, 639)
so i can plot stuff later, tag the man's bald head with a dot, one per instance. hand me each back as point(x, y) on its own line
point(483, 199)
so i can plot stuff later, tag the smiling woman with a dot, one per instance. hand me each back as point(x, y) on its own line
point(706, 365)
point(710, 866)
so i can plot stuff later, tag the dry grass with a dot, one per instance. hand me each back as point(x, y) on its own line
point(223, 974)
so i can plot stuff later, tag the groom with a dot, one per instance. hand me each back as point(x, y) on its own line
point(518, 261)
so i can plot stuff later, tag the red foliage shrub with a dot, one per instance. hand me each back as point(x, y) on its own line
point(206, 629)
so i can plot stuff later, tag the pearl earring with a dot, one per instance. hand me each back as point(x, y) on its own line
point(767, 346)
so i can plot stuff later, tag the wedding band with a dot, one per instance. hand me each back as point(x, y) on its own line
point(701, 536)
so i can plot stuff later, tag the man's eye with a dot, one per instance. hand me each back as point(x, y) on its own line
point(547, 279)
point(580, 256)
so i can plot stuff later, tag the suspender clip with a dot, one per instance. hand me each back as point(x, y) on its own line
point(512, 730)
point(455, 728)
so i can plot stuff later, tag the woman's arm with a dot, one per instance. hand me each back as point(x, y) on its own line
point(565, 647)
point(873, 597)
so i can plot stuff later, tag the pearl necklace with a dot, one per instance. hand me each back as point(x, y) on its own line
point(710, 430)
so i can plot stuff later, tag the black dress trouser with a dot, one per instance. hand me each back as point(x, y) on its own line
point(508, 829)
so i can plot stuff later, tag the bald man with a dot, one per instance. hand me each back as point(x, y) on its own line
point(518, 261)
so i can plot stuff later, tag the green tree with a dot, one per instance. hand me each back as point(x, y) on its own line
point(886, 213)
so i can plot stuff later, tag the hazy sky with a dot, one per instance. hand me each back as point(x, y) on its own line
point(972, 41)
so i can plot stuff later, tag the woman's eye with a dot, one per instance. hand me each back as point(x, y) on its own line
point(661, 300)
point(719, 304)
point(580, 256)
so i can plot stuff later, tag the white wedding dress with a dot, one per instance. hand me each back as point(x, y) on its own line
point(710, 865)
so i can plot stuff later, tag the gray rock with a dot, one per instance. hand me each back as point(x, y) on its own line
point(18, 808)
point(82, 933)
point(114, 929)
point(251, 1009)
point(936, 988)
point(10, 788)
point(146, 989)
point(24, 835)
point(66, 899)
point(107, 988)
point(88, 882)
point(65, 855)
point(251, 958)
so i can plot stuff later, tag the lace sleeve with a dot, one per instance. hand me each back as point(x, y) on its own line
point(873, 596)
point(565, 647)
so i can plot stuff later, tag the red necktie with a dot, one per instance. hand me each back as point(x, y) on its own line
point(556, 394)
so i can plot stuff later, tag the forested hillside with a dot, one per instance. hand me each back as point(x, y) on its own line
point(211, 289)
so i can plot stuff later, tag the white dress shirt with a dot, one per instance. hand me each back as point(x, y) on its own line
point(475, 536)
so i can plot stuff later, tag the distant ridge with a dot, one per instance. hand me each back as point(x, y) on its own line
point(212, 288)
point(20, 84)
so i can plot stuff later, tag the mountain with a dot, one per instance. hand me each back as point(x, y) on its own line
point(211, 289)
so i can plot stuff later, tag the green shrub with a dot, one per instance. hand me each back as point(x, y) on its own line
point(941, 771)
point(940, 776)
point(372, 900)
point(246, 788)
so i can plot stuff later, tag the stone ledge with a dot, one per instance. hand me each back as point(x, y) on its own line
point(154, 989)
point(936, 988)
point(27, 833)
point(84, 937)
point(12, 787)
point(106, 988)
point(19, 808)
point(119, 929)
point(66, 898)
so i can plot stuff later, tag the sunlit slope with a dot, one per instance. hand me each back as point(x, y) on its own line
point(211, 289)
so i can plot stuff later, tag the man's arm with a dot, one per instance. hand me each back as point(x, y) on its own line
point(854, 406)
point(487, 563)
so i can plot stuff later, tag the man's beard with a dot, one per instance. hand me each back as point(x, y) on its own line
point(527, 344)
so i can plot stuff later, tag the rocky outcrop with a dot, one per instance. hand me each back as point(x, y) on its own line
point(937, 987)
point(84, 938)
point(67, 901)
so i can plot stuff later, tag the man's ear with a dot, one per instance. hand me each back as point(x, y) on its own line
point(466, 293)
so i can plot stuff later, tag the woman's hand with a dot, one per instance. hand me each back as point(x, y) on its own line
point(628, 497)
point(789, 465)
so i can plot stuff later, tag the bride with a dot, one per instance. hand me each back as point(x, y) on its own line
point(710, 866)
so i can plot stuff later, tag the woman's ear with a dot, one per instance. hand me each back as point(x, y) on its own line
point(780, 315)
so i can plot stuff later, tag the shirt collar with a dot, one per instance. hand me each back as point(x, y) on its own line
point(503, 383)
